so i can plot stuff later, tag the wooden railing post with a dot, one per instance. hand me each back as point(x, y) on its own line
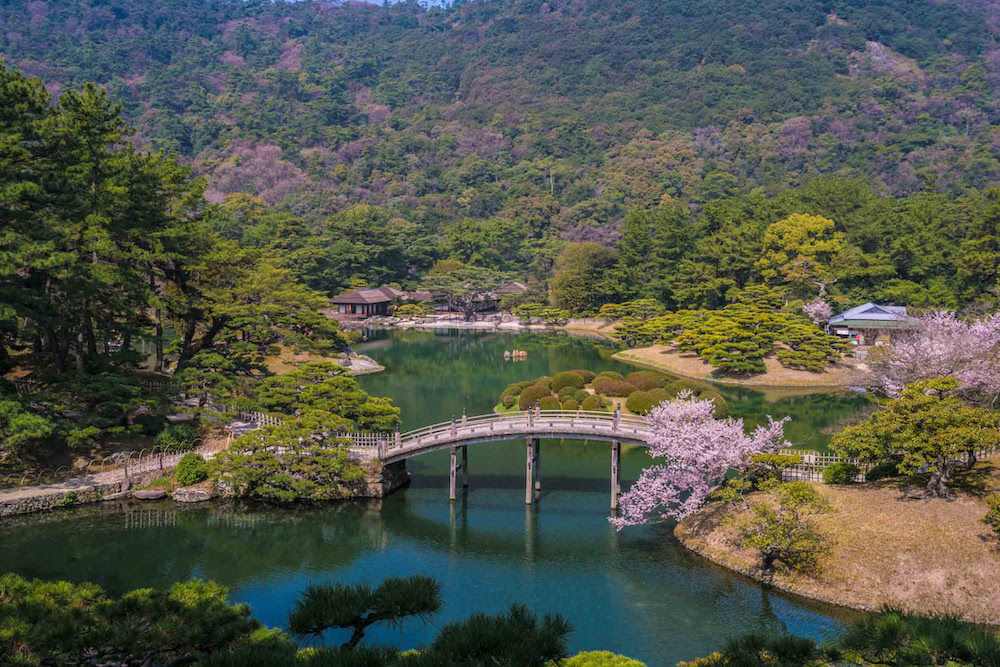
point(617, 417)
point(451, 471)
point(616, 459)
point(399, 442)
point(465, 418)
point(453, 429)
point(529, 471)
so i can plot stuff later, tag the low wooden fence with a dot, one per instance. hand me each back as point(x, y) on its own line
point(814, 463)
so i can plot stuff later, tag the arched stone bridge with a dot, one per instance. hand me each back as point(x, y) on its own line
point(532, 425)
point(456, 436)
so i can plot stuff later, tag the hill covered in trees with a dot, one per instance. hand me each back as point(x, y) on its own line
point(379, 139)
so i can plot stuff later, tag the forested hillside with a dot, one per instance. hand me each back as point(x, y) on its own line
point(375, 140)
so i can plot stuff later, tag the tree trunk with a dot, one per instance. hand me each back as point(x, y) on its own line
point(767, 561)
point(88, 329)
point(159, 341)
point(79, 352)
point(937, 486)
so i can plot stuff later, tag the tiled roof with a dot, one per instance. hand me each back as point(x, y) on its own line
point(874, 315)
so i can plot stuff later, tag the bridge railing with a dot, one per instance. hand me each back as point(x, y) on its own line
point(522, 422)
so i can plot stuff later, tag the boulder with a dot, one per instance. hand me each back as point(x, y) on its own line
point(190, 495)
point(152, 494)
point(121, 495)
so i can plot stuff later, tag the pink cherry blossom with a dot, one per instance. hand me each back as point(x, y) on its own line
point(944, 346)
point(697, 450)
point(819, 311)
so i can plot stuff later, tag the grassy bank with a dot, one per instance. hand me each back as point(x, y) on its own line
point(923, 555)
point(689, 365)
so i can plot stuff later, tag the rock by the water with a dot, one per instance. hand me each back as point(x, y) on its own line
point(152, 494)
point(192, 495)
point(121, 495)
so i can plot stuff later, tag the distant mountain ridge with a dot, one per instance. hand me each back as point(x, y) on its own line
point(565, 113)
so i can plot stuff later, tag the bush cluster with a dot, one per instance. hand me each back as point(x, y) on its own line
point(841, 473)
point(531, 395)
point(645, 380)
point(571, 390)
point(565, 380)
point(882, 470)
point(612, 387)
point(191, 469)
point(594, 402)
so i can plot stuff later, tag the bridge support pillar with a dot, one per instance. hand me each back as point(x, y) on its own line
point(529, 471)
point(616, 460)
point(452, 468)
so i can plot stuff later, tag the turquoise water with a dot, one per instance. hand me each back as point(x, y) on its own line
point(635, 592)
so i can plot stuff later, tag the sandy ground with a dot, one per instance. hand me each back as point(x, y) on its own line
point(288, 360)
point(669, 360)
point(924, 555)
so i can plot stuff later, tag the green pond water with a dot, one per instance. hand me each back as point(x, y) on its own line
point(635, 592)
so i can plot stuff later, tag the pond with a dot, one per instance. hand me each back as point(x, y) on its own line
point(635, 592)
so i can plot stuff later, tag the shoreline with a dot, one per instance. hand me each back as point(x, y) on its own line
point(643, 356)
point(922, 555)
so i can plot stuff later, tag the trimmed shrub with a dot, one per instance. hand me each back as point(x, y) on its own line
point(544, 381)
point(601, 659)
point(639, 403)
point(567, 393)
point(177, 438)
point(532, 394)
point(614, 375)
point(581, 395)
point(508, 400)
point(675, 387)
point(593, 402)
point(550, 403)
point(611, 387)
point(566, 379)
point(645, 380)
point(191, 469)
point(840, 473)
point(658, 395)
point(571, 404)
point(721, 408)
point(882, 470)
point(588, 376)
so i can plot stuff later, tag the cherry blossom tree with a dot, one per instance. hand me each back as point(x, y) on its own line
point(698, 450)
point(819, 311)
point(944, 346)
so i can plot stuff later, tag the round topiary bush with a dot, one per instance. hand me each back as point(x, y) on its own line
point(675, 387)
point(566, 379)
point(550, 403)
point(567, 393)
point(639, 403)
point(177, 438)
point(721, 408)
point(593, 402)
point(614, 375)
point(581, 395)
point(645, 380)
point(658, 395)
point(588, 376)
point(841, 473)
point(571, 404)
point(191, 469)
point(883, 470)
point(544, 381)
point(531, 395)
point(611, 387)
point(508, 400)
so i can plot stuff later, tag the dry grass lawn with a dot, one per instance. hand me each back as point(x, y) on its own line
point(688, 364)
point(924, 555)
